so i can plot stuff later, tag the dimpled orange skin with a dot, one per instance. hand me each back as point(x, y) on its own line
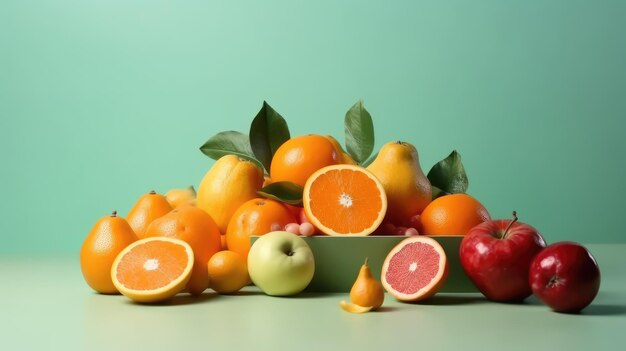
point(149, 207)
point(299, 157)
point(198, 229)
point(255, 217)
point(108, 237)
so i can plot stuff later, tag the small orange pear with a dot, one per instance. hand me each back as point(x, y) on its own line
point(367, 291)
point(149, 207)
point(108, 237)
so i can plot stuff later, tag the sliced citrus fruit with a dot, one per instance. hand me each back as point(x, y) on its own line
point(153, 269)
point(354, 308)
point(415, 269)
point(344, 200)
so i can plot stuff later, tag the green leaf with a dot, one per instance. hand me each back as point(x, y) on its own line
point(286, 192)
point(369, 160)
point(268, 131)
point(359, 132)
point(229, 143)
point(448, 176)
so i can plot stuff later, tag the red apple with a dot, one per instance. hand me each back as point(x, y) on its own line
point(496, 256)
point(565, 276)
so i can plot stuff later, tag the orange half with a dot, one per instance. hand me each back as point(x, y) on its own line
point(344, 200)
point(153, 269)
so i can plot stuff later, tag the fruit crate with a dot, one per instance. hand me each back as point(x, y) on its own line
point(338, 260)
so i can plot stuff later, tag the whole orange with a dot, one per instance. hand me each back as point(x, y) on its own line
point(255, 217)
point(198, 229)
point(297, 158)
point(453, 214)
point(228, 272)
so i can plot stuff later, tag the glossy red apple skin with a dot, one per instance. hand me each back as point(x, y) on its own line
point(498, 263)
point(565, 276)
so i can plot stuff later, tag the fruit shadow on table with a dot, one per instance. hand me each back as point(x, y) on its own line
point(180, 300)
point(443, 299)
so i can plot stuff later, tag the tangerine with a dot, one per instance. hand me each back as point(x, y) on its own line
point(453, 214)
point(255, 217)
point(299, 157)
point(228, 272)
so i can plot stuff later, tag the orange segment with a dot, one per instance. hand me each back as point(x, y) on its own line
point(344, 200)
point(196, 228)
point(153, 269)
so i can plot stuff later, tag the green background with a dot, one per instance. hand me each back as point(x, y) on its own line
point(102, 101)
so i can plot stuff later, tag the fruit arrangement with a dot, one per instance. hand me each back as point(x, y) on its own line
point(281, 189)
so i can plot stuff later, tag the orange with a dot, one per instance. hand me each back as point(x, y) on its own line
point(228, 184)
point(228, 272)
point(149, 207)
point(108, 237)
point(198, 229)
point(344, 200)
point(297, 158)
point(453, 214)
point(153, 269)
point(415, 269)
point(256, 217)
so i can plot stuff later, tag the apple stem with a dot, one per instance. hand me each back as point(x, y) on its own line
point(506, 231)
point(114, 214)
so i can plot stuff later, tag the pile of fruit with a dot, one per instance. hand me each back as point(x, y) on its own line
point(282, 188)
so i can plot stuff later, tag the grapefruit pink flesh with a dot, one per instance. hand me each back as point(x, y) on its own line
point(415, 269)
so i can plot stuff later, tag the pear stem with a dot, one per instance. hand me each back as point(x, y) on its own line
point(366, 259)
point(506, 231)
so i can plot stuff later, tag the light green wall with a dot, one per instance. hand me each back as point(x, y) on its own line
point(101, 101)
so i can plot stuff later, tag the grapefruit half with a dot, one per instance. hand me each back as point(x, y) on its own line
point(415, 269)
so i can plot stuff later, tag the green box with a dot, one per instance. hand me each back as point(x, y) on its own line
point(338, 260)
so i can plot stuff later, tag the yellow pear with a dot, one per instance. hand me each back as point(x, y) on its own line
point(181, 197)
point(367, 291)
point(408, 190)
point(228, 184)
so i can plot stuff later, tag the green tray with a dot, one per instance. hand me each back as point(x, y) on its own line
point(338, 260)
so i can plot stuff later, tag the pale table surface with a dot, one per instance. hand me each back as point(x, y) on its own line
point(45, 305)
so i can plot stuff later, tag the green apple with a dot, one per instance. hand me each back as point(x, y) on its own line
point(281, 263)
